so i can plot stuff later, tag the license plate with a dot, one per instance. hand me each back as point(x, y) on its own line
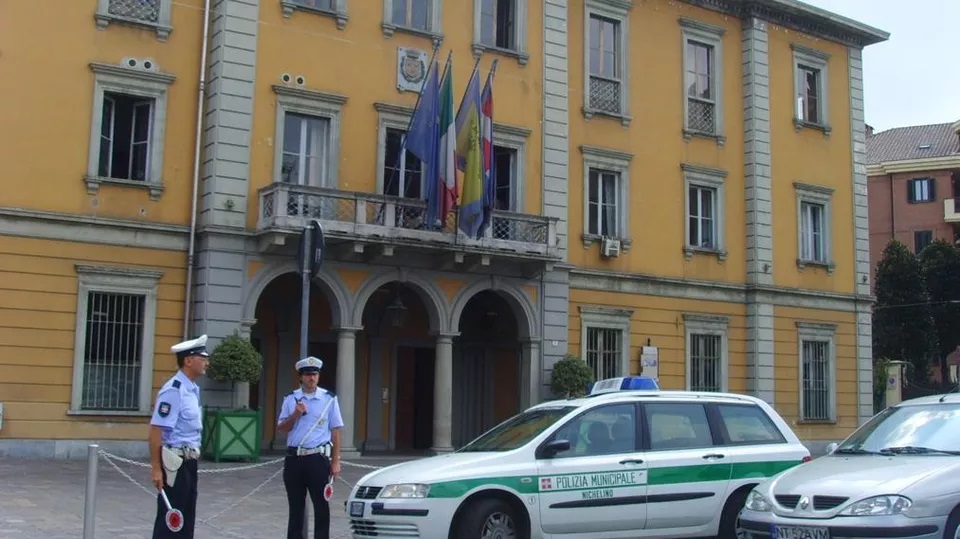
point(801, 532)
point(356, 509)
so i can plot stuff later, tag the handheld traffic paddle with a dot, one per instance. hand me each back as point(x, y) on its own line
point(174, 518)
point(328, 490)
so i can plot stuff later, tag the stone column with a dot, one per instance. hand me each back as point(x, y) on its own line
point(530, 370)
point(346, 387)
point(443, 394)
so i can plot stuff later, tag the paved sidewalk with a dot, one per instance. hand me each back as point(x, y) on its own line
point(44, 499)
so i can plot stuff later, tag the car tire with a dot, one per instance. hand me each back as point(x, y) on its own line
point(488, 513)
point(731, 513)
point(952, 529)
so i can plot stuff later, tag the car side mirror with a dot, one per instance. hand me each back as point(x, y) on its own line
point(551, 448)
point(832, 446)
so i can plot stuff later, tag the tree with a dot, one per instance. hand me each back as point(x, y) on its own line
point(940, 262)
point(903, 326)
point(570, 377)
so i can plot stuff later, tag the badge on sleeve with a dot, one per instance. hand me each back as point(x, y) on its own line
point(164, 409)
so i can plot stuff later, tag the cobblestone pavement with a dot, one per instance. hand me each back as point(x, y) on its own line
point(44, 499)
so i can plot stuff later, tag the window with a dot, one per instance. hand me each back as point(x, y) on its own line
point(128, 125)
point(113, 349)
point(605, 340)
point(706, 352)
point(813, 224)
point(308, 137)
point(420, 17)
point(606, 81)
point(703, 83)
point(817, 371)
point(705, 197)
point(518, 430)
point(403, 171)
point(748, 425)
point(921, 190)
point(922, 238)
point(501, 25)
point(605, 430)
point(810, 88)
point(331, 8)
point(676, 425)
point(605, 202)
point(149, 13)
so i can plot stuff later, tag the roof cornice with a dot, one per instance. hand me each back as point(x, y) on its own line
point(914, 165)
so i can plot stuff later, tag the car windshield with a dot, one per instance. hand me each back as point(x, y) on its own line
point(518, 430)
point(928, 429)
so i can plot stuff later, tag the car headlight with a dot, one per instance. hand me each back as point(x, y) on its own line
point(405, 490)
point(877, 506)
point(756, 502)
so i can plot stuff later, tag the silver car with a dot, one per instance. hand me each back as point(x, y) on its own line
point(896, 476)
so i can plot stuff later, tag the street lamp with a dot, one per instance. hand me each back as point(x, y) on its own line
point(397, 311)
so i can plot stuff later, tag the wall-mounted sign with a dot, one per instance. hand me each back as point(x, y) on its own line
point(411, 69)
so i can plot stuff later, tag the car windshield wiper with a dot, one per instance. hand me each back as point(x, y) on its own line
point(855, 451)
point(916, 450)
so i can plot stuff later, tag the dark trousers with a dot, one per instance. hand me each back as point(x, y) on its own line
point(301, 474)
point(182, 496)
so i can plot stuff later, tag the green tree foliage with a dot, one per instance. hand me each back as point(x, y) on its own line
point(235, 360)
point(570, 377)
point(903, 326)
point(940, 262)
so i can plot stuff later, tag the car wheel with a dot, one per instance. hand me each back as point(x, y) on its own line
point(952, 529)
point(488, 518)
point(731, 514)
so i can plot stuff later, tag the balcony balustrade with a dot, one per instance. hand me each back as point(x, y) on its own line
point(950, 207)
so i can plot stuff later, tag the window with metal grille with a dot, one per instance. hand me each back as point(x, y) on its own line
point(816, 382)
point(604, 352)
point(136, 10)
point(605, 65)
point(112, 355)
point(702, 214)
point(701, 92)
point(706, 362)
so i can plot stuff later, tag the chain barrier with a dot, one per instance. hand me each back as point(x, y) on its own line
point(112, 460)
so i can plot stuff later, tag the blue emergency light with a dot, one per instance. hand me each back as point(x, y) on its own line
point(624, 383)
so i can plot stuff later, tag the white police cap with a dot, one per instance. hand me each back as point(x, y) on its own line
point(194, 347)
point(309, 364)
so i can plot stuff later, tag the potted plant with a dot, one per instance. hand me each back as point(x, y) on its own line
point(233, 432)
point(571, 377)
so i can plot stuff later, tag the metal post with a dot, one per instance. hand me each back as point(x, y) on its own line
point(304, 341)
point(90, 502)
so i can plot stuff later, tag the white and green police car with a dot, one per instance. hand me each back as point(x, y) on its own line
point(628, 460)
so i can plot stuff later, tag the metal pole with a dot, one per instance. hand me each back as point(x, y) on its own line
point(304, 330)
point(90, 502)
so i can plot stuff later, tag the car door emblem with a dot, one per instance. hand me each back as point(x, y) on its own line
point(804, 502)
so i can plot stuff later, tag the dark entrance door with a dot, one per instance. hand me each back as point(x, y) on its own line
point(326, 351)
point(414, 419)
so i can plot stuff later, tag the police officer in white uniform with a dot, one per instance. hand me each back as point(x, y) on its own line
point(175, 438)
point(311, 415)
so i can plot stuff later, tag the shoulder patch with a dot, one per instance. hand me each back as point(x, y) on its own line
point(164, 409)
point(331, 393)
point(176, 383)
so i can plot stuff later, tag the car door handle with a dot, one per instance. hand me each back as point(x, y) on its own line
point(631, 461)
point(713, 456)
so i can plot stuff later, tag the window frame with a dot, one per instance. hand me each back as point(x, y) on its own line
point(932, 190)
point(707, 324)
point(615, 161)
point(163, 26)
point(712, 178)
point(815, 194)
point(514, 138)
point(618, 10)
point(818, 60)
point(817, 332)
point(708, 34)
point(310, 103)
point(338, 13)
point(434, 29)
point(519, 34)
point(389, 116)
point(607, 318)
point(135, 82)
point(120, 280)
point(647, 432)
point(559, 427)
point(916, 240)
point(716, 416)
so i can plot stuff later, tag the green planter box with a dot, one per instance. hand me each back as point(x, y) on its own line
point(230, 434)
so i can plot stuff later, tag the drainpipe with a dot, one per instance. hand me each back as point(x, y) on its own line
point(893, 210)
point(196, 170)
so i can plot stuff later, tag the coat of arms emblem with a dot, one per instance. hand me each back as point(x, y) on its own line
point(411, 69)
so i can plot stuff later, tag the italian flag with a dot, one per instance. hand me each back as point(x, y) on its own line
point(448, 144)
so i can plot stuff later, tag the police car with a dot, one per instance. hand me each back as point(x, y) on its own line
point(627, 460)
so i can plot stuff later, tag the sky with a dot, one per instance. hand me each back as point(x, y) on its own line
point(914, 77)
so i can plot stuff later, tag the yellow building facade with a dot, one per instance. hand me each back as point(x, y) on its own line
point(646, 156)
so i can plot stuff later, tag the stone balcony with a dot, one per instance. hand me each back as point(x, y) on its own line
point(365, 226)
point(951, 210)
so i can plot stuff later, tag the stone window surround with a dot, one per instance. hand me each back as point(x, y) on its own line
point(135, 82)
point(614, 161)
point(519, 37)
point(820, 332)
point(618, 10)
point(311, 103)
point(607, 318)
point(434, 29)
point(816, 194)
point(163, 26)
point(97, 278)
point(819, 60)
point(708, 34)
point(714, 178)
point(702, 324)
point(339, 11)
